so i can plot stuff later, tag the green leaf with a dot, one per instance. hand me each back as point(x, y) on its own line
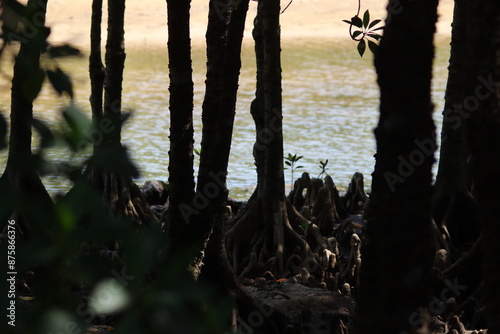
point(65, 50)
point(77, 129)
point(379, 28)
point(375, 36)
point(47, 139)
point(362, 47)
point(288, 163)
point(348, 22)
point(374, 23)
point(67, 219)
point(114, 159)
point(61, 82)
point(356, 21)
point(299, 167)
point(366, 18)
point(33, 84)
point(373, 46)
point(76, 119)
point(356, 33)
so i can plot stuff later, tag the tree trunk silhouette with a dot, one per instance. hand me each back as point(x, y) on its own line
point(451, 198)
point(20, 174)
point(452, 172)
point(397, 251)
point(263, 231)
point(181, 178)
point(223, 68)
point(96, 67)
point(483, 133)
point(116, 185)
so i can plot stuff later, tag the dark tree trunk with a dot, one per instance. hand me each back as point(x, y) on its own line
point(483, 132)
point(224, 40)
point(200, 213)
point(197, 213)
point(223, 69)
point(224, 65)
point(115, 64)
point(117, 187)
point(181, 179)
point(274, 181)
point(452, 173)
point(397, 254)
point(96, 67)
point(20, 174)
point(453, 180)
point(23, 196)
point(264, 232)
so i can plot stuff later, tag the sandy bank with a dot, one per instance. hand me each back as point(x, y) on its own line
point(146, 20)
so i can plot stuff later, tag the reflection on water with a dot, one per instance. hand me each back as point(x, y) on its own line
point(330, 107)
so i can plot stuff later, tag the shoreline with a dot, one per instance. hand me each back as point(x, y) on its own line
point(146, 21)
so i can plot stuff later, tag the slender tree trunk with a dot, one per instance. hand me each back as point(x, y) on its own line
point(274, 182)
point(263, 232)
point(197, 213)
point(193, 217)
point(397, 255)
point(115, 64)
point(20, 173)
point(483, 132)
point(181, 179)
point(96, 67)
point(224, 64)
point(452, 173)
point(23, 196)
point(219, 106)
point(451, 190)
point(117, 187)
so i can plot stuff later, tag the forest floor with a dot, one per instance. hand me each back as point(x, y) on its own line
point(310, 309)
point(312, 305)
point(314, 310)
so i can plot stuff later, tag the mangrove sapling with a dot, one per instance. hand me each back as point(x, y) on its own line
point(323, 167)
point(290, 161)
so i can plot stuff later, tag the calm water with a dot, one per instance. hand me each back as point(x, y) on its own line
point(330, 101)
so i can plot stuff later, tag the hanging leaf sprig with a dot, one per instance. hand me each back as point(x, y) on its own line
point(363, 31)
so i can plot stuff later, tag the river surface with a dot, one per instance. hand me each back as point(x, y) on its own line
point(330, 108)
